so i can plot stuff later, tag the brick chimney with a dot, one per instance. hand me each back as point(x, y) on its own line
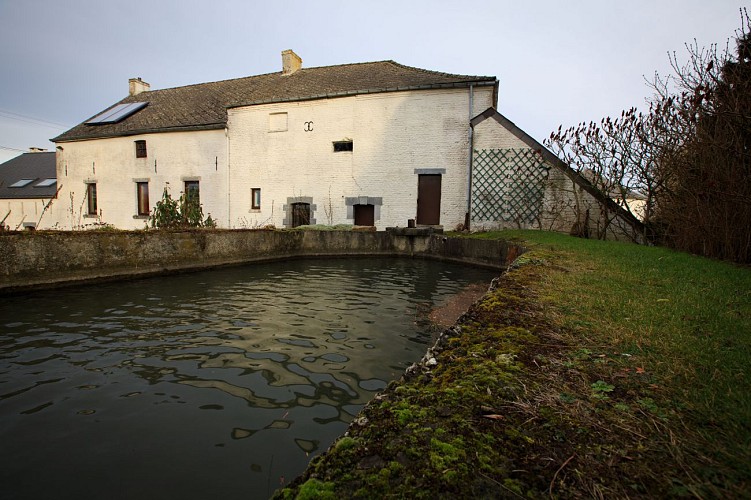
point(291, 62)
point(136, 86)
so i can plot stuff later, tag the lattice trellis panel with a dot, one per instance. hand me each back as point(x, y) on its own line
point(508, 185)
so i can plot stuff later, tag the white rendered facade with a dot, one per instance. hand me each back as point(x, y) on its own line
point(19, 213)
point(172, 158)
point(287, 151)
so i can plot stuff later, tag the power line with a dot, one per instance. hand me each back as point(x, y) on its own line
point(31, 119)
point(14, 149)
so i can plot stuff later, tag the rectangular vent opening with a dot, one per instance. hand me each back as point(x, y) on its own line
point(340, 146)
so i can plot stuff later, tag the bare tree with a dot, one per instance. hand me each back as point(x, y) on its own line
point(617, 157)
point(688, 156)
point(703, 114)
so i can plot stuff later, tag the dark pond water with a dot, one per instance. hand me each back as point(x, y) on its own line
point(219, 384)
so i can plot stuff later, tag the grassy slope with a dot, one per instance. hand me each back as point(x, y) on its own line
point(595, 368)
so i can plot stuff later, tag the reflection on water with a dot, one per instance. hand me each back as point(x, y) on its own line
point(216, 384)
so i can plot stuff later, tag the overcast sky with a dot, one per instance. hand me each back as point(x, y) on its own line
point(558, 62)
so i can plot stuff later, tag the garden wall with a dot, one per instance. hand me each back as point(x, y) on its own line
point(47, 258)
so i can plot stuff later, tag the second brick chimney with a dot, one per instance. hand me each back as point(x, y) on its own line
point(136, 86)
point(291, 62)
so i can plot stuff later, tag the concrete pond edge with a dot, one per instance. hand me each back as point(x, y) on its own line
point(53, 259)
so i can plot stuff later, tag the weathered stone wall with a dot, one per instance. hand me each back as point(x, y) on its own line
point(46, 259)
point(568, 208)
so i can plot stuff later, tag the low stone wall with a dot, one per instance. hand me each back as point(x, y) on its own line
point(47, 259)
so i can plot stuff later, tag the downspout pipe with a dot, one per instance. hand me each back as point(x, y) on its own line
point(229, 180)
point(467, 215)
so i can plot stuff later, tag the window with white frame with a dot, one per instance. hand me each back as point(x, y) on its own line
point(142, 197)
point(91, 199)
point(255, 199)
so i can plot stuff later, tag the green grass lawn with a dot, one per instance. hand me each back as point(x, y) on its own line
point(595, 368)
point(686, 318)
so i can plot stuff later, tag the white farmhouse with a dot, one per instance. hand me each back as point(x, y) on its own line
point(376, 144)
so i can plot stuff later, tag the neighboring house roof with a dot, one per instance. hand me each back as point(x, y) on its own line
point(37, 168)
point(204, 106)
point(614, 192)
point(552, 159)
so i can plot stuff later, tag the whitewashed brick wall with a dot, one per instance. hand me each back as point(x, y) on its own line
point(171, 159)
point(393, 134)
point(21, 211)
point(566, 206)
point(489, 134)
point(570, 209)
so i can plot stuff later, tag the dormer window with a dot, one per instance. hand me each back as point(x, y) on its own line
point(140, 149)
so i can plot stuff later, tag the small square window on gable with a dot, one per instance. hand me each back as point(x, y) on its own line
point(140, 149)
point(277, 122)
point(340, 146)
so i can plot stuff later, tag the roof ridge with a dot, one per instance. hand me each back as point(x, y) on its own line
point(346, 64)
point(207, 83)
point(304, 69)
point(264, 74)
point(441, 73)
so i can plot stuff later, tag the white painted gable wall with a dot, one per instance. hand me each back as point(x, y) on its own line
point(393, 134)
point(171, 159)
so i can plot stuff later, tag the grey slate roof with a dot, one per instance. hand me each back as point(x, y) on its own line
point(204, 106)
point(37, 166)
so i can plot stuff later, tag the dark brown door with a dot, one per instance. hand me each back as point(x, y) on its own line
point(300, 214)
point(364, 215)
point(429, 199)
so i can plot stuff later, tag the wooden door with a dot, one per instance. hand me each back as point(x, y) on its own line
point(300, 214)
point(429, 199)
point(364, 215)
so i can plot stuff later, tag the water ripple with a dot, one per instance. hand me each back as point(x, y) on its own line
point(214, 373)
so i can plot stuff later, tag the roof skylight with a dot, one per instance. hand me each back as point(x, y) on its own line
point(117, 113)
point(21, 183)
point(45, 183)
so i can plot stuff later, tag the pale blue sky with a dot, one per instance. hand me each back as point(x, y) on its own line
point(558, 62)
